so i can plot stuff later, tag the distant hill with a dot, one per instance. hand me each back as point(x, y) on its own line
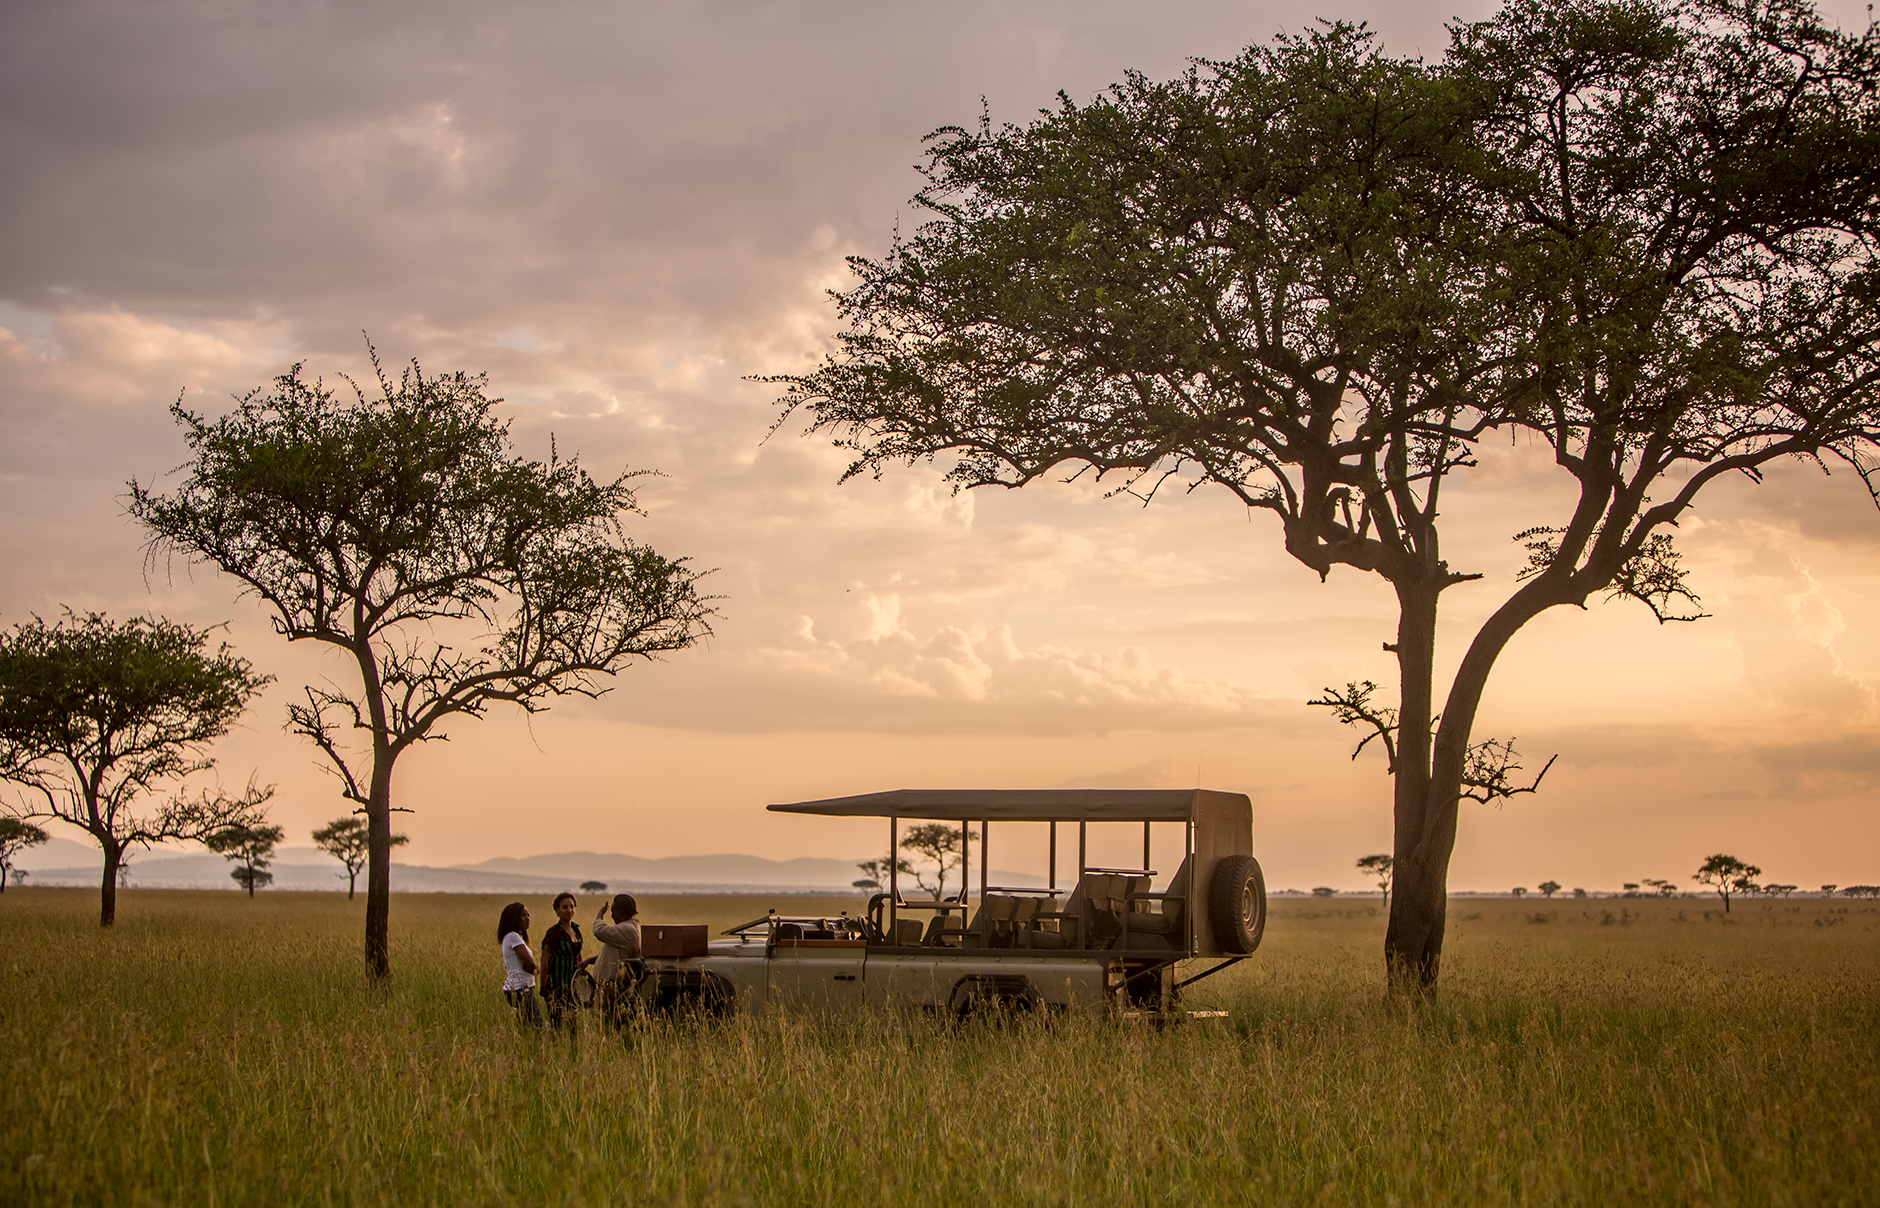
point(308, 868)
point(754, 872)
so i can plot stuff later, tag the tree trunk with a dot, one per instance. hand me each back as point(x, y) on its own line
point(107, 894)
point(1413, 939)
point(251, 880)
point(1430, 771)
point(379, 867)
point(352, 883)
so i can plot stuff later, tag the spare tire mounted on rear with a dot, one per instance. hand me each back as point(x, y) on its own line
point(1237, 904)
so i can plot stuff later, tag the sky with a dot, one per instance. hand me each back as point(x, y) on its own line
point(623, 211)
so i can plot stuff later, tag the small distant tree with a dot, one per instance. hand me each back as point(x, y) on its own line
point(1324, 891)
point(1520, 891)
point(1631, 889)
point(253, 846)
point(876, 873)
point(1780, 891)
point(1579, 892)
point(404, 533)
point(1827, 891)
point(20, 875)
point(939, 843)
point(16, 836)
point(593, 887)
point(1725, 874)
point(1378, 866)
point(347, 840)
point(1861, 891)
point(96, 714)
point(1664, 888)
point(1550, 888)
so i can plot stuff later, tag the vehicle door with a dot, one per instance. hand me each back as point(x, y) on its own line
point(816, 975)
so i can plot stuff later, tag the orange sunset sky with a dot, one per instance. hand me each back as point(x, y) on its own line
point(621, 210)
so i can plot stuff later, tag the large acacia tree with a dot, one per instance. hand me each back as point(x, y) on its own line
point(96, 715)
point(1641, 233)
point(452, 574)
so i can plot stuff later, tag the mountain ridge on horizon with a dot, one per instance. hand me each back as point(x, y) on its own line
point(722, 866)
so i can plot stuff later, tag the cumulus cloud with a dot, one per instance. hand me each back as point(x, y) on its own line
point(1788, 630)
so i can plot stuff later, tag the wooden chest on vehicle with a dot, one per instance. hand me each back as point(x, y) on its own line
point(673, 939)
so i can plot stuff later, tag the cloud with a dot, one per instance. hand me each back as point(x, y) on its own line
point(1831, 766)
point(892, 679)
point(1788, 630)
point(1157, 773)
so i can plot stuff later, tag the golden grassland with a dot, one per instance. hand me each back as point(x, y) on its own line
point(213, 1049)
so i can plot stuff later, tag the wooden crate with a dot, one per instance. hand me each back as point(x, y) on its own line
point(673, 939)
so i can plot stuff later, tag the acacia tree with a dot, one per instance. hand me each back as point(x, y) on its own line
point(402, 531)
point(1727, 875)
point(1379, 867)
point(15, 836)
point(876, 874)
point(346, 840)
point(1638, 234)
point(96, 714)
point(253, 846)
point(944, 845)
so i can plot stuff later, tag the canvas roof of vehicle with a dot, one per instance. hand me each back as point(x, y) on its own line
point(1027, 805)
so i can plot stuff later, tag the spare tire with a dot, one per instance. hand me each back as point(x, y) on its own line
point(1237, 904)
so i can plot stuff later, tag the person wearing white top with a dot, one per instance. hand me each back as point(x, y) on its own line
point(512, 932)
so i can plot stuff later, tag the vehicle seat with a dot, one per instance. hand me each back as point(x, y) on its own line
point(907, 932)
point(993, 921)
point(1060, 928)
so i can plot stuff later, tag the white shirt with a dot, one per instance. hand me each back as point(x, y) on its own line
point(515, 977)
point(619, 942)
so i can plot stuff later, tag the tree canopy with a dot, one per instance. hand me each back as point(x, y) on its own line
point(1638, 232)
point(16, 835)
point(97, 714)
point(347, 840)
point(452, 573)
point(253, 847)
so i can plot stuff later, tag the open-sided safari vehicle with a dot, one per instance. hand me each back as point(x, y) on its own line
point(1106, 944)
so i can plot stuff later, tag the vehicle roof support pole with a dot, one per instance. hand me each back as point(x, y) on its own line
point(985, 861)
point(894, 868)
point(1083, 861)
point(1193, 898)
point(966, 860)
point(1052, 883)
point(1146, 866)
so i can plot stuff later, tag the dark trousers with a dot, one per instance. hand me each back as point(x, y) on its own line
point(528, 1012)
point(560, 1003)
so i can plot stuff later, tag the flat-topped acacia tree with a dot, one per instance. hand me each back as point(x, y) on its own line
point(1638, 234)
point(98, 715)
point(452, 574)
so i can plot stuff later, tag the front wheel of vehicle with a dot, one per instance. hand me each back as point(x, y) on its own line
point(1237, 904)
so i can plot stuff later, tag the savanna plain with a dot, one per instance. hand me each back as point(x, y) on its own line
point(213, 1049)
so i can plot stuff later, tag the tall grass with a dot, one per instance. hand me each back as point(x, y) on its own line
point(213, 1049)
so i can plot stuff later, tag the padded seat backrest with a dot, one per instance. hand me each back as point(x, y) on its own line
point(1179, 891)
point(994, 917)
point(907, 932)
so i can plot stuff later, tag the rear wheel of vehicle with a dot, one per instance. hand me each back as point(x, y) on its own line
point(1237, 904)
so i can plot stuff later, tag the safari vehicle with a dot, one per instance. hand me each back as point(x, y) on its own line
point(1107, 944)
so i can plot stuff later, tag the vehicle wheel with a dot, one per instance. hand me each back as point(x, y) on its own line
point(1237, 904)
